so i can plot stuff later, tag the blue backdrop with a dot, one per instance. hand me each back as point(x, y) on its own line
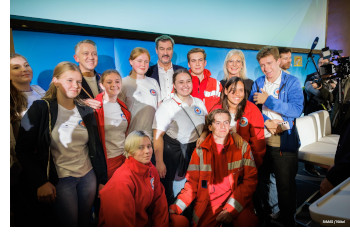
point(45, 50)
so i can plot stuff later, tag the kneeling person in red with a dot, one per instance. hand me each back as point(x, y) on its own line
point(221, 178)
point(134, 196)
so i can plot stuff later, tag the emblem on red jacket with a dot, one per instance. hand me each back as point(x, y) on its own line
point(243, 122)
point(81, 123)
point(123, 116)
point(152, 182)
point(197, 110)
point(153, 92)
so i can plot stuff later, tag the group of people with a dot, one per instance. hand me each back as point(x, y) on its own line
point(101, 150)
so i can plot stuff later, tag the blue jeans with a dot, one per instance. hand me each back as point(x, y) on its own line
point(75, 197)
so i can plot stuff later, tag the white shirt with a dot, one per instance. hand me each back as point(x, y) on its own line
point(115, 127)
point(166, 81)
point(172, 119)
point(36, 93)
point(69, 140)
point(92, 84)
point(273, 90)
point(141, 96)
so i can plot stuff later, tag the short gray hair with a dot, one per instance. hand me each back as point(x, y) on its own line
point(82, 42)
point(164, 38)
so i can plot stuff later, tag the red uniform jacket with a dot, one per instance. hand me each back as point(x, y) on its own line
point(112, 163)
point(134, 197)
point(208, 90)
point(242, 176)
point(251, 128)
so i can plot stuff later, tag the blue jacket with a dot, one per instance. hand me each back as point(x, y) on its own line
point(153, 71)
point(289, 106)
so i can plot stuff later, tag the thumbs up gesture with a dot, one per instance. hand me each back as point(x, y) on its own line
point(260, 98)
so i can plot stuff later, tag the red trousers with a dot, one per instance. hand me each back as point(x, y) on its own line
point(246, 218)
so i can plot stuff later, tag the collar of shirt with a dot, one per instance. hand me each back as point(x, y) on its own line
point(180, 102)
point(162, 69)
point(276, 82)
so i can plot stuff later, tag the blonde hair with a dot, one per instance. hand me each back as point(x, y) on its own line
point(15, 55)
point(136, 52)
point(133, 141)
point(61, 68)
point(243, 72)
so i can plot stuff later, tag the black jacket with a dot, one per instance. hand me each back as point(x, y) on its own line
point(341, 169)
point(34, 140)
point(153, 71)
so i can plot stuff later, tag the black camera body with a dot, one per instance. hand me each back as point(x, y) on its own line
point(340, 66)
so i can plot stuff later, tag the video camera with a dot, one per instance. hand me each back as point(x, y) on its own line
point(339, 66)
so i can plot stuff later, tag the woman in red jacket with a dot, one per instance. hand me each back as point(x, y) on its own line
point(134, 196)
point(113, 120)
point(246, 118)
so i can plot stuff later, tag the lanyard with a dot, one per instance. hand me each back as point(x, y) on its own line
point(187, 116)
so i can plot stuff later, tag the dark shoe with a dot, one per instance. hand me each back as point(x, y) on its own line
point(312, 172)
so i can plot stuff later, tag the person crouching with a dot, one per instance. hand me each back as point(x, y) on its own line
point(221, 178)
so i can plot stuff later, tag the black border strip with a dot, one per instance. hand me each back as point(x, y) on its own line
point(43, 25)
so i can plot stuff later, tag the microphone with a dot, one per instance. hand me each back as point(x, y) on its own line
point(314, 44)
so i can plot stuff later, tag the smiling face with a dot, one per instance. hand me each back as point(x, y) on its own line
point(221, 126)
point(143, 153)
point(270, 67)
point(197, 63)
point(68, 84)
point(112, 85)
point(20, 71)
point(86, 56)
point(235, 94)
point(286, 60)
point(140, 64)
point(164, 51)
point(183, 85)
point(234, 65)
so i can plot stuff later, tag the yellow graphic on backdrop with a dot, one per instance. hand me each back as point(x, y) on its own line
point(298, 61)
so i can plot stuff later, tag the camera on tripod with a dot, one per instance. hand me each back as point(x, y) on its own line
point(339, 66)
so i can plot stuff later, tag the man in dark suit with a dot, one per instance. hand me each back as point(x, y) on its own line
point(163, 71)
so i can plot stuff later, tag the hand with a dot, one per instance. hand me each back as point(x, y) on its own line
point(161, 168)
point(46, 193)
point(272, 125)
point(224, 217)
point(200, 141)
point(279, 127)
point(260, 98)
point(92, 103)
point(314, 85)
point(237, 139)
point(325, 186)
